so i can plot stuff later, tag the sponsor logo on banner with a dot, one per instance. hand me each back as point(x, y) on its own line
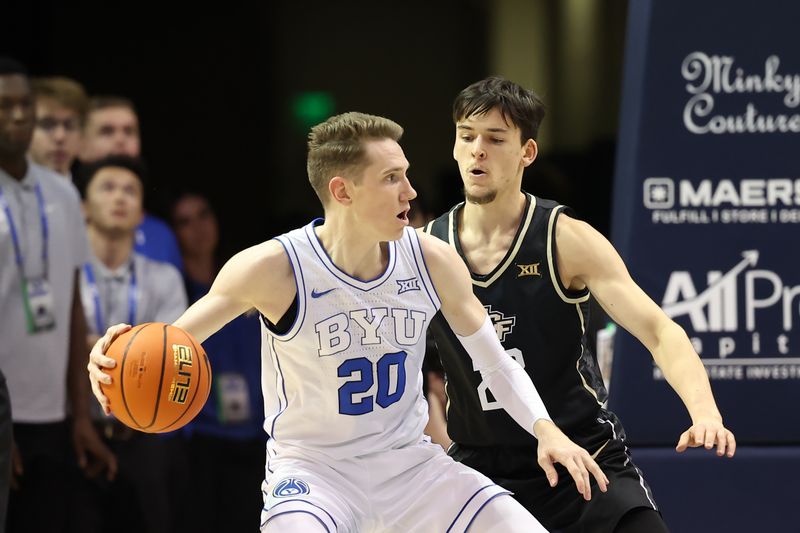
point(742, 321)
point(722, 201)
point(714, 77)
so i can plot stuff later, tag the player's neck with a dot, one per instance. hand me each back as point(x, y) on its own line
point(113, 250)
point(200, 268)
point(353, 252)
point(500, 216)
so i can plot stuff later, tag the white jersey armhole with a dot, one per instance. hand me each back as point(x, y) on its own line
point(300, 286)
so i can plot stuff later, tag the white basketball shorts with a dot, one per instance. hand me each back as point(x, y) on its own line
point(418, 488)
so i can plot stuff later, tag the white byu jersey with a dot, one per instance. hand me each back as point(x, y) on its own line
point(346, 379)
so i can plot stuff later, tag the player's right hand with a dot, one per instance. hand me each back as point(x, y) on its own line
point(98, 361)
point(556, 447)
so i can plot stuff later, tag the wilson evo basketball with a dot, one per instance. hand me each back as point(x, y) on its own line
point(162, 378)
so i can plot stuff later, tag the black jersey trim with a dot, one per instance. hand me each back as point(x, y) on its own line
point(451, 226)
point(579, 296)
point(515, 246)
point(596, 454)
point(585, 383)
point(647, 492)
point(485, 281)
point(570, 297)
point(300, 288)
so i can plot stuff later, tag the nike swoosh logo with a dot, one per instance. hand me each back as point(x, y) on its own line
point(315, 294)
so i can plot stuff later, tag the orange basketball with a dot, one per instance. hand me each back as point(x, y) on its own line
point(162, 378)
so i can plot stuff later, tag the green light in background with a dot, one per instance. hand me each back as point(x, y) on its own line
point(311, 108)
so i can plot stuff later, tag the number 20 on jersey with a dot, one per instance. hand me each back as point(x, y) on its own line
point(356, 397)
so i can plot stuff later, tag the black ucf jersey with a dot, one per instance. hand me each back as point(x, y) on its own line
point(541, 325)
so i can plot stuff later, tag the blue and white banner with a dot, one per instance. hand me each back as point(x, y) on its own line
point(707, 209)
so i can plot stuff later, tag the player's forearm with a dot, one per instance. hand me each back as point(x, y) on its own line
point(509, 383)
point(684, 371)
point(209, 314)
point(514, 390)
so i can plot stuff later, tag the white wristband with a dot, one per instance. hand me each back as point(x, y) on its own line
point(508, 381)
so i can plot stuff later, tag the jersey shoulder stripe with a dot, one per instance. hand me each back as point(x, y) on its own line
point(444, 226)
point(280, 385)
point(567, 295)
point(422, 268)
point(300, 286)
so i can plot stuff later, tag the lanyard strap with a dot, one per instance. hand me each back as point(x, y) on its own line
point(98, 309)
point(15, 236)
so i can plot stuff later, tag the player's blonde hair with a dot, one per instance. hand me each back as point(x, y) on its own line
point(65, 92)
point(336, 147)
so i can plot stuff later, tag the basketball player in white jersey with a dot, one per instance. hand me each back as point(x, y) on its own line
point(345, 305)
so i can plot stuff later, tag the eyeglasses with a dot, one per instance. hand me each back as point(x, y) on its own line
point(51, 124)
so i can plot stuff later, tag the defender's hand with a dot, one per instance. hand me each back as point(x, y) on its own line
point(98, 361)
point(708, 432)
point(555, 447)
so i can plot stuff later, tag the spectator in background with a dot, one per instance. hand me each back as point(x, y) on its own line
point(60, 111)
point(122, 286)
point(226, 441)
point(42, 327)
point(112, 128)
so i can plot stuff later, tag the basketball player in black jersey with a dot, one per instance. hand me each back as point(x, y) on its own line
point(533, 266)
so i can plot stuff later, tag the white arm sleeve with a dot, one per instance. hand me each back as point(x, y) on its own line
point(507, 380)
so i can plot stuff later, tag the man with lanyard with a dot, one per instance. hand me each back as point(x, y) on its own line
point(112, 128)
point(120, 285)
point(60, 112)
point(43, 330)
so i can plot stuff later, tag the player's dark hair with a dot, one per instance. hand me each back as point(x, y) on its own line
point(519, 106)
point(90, 170)
point(107, 101)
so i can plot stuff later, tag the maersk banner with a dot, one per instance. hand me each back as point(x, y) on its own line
point(707, 209)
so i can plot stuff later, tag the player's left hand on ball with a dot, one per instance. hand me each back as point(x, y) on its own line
point(708, 433)
point(98, 361)
point(556, 447)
